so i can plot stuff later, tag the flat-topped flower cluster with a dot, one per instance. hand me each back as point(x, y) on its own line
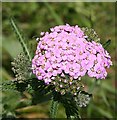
point(65, 50)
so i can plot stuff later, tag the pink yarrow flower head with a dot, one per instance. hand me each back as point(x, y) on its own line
point(65, 53)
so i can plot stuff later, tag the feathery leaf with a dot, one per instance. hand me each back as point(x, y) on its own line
point(20, 38)
point(8, 85)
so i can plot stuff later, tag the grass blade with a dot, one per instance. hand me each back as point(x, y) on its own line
point(105, 45)
point(53, 13)
point(103, 112)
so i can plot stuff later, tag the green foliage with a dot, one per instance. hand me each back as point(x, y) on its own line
point(71, 107)
point(20, 38)
point(8, 86)
point(10, 102)
point(14, 85)
point(70, 104)
point(37, 88)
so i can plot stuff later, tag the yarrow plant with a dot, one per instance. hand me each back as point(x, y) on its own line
point(63, 57)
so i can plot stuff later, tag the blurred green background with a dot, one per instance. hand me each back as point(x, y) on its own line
point(32, 18)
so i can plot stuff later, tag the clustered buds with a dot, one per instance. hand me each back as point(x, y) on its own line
point(92, 35)
point(66, 85)
point(66, 51)
point(82, 99)
point(21, 67)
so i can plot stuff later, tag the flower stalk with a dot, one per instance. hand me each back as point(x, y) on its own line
point(53, 108)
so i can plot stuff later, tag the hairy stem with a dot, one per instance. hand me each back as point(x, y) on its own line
point(53, 109)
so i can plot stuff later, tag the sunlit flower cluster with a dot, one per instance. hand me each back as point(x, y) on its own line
point(66, 51)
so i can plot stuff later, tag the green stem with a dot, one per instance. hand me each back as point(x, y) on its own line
point(53, 109)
